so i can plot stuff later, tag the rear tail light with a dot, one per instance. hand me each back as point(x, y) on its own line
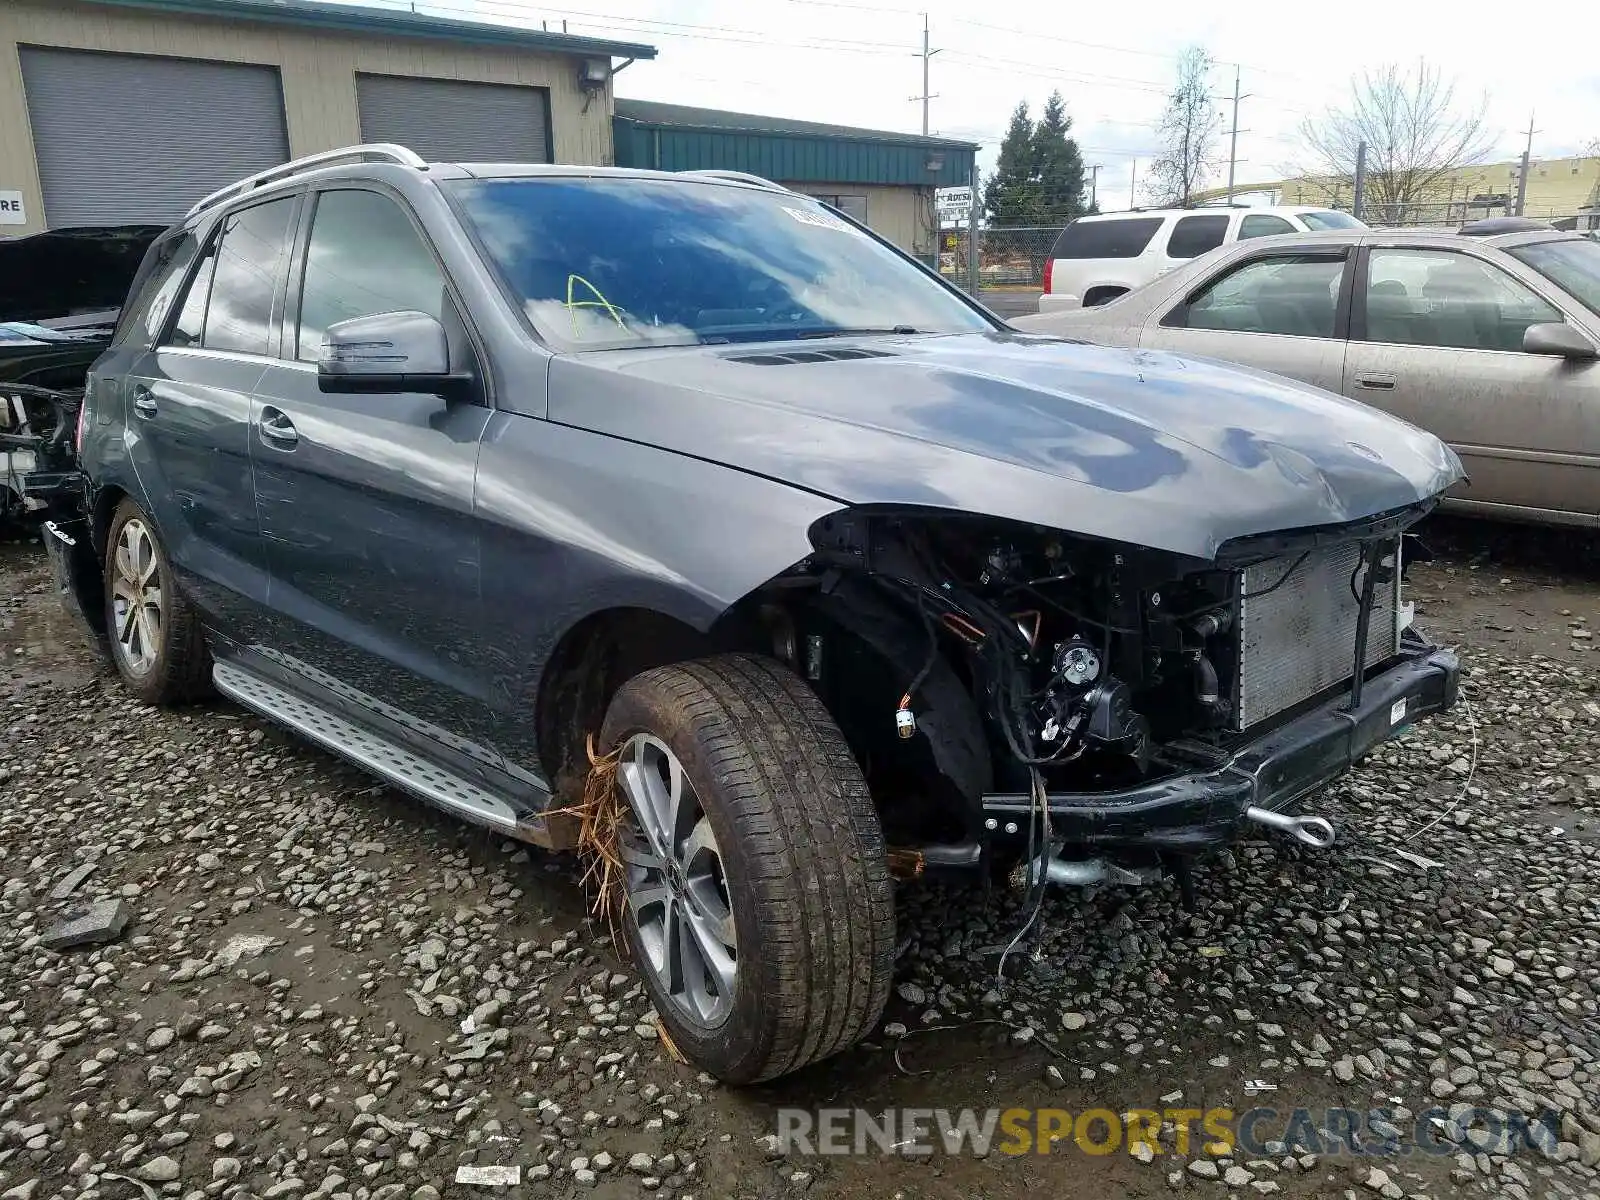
point(1049, 270)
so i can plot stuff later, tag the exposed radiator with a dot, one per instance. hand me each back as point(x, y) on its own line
point(1300, 638)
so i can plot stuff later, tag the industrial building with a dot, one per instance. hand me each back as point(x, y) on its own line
point(114, 111)
point(119, 111)
point(885, 180)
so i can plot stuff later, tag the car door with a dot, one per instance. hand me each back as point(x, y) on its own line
point(187, 404)
point(365, 501)
point(1436, 338)
point(1281, 309)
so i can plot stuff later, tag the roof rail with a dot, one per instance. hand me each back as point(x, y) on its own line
point(738, 177)
point(384, 151)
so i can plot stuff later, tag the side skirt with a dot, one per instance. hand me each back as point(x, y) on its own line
point(390, 761)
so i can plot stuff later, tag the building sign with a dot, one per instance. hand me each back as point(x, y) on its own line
point(953, 201)
point(11, 210)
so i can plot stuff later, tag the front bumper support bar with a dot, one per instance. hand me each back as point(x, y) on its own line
point(1188, 813)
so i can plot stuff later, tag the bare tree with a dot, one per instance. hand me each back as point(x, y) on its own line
point(1415, 133)
point(1188, 133)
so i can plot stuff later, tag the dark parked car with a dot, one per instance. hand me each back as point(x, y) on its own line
point(451, 468)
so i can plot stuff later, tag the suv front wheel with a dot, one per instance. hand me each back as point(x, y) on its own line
point(156, 641)
point(759, 908)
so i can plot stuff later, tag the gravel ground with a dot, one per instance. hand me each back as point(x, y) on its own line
point(326, 991)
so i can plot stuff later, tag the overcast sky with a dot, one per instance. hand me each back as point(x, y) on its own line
point(857, 62)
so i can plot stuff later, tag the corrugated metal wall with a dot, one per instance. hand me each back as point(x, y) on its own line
point(788, 156)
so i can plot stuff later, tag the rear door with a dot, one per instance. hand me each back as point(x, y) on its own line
point(366, 501)
point(1282, 310)
point(1436, 338)
point(186, 402)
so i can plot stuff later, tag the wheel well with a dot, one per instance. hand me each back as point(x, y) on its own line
point(593, 659)
point(1096, 296)
point(105, 507)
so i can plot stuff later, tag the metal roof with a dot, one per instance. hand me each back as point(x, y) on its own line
point(356, 18)
point(651, 112)
point(676, 137)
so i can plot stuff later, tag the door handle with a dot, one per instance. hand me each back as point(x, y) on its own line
point(277, 428)
point(1376, 382)
point(144, 402)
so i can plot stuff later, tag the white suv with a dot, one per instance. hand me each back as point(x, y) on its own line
point(1099, 258)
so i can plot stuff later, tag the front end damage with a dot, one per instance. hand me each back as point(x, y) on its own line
point(1056, 709)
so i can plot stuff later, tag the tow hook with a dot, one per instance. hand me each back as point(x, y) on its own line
point(1316, 832)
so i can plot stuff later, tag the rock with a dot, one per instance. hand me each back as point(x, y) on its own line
point(99, 923)
point(1142, 1150)
point(491, 1176)
point(159, 1170)
point(229, 1168)
point(163, 1036)
point(71, 881)
point(1204, 1167)
point(1238, 1176)
point(1073, 1021)
point(643, 1163)
point(587, 1178)
point(24, 1191)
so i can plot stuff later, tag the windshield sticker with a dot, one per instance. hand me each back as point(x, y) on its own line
point(822, 220)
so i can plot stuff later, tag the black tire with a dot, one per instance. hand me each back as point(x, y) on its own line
point(802, 855)
point(173, 665)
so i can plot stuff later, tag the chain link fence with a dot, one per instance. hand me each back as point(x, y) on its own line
point(1008, 256)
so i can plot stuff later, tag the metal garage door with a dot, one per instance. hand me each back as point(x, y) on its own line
point(122, 137)
point(446, 120)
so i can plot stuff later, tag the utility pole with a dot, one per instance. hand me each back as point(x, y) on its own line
point(1233, 133)
point(927, 94)
point(1361, 180)
point(1133, 182)
point(1094, 185)
point(974, 275)
point(1522, 175)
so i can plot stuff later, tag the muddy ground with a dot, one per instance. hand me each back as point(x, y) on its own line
point(283, 1015)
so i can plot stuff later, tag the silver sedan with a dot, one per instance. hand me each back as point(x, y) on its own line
point(1491, 343)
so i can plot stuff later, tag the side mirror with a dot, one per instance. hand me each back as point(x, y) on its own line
point(1557, 338)
point(388, 352)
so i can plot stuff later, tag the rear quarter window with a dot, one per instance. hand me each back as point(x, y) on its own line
point(1193, 236)
point(1106, 239)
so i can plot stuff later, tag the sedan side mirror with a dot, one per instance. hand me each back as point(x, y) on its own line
point(1557, 338)
point(389, 352)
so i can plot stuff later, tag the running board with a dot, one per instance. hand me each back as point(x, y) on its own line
point(391, 762)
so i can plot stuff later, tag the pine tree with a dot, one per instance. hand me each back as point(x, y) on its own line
point(1058, 166)
point(1005, 192)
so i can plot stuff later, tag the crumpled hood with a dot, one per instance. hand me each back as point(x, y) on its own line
point(1136, 446)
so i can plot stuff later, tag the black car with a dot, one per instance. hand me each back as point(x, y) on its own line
point(466, 472)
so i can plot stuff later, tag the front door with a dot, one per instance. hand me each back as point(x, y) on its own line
point(1278, 311)
point(366, 501)
point(188, 411)
point(1436, 338)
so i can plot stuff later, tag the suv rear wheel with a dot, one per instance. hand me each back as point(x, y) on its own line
point(156, 641)
point(759, 906)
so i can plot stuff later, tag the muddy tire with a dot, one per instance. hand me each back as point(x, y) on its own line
point(759, 908)
point(157, 644)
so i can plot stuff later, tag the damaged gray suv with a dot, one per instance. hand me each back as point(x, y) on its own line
point(686, 505)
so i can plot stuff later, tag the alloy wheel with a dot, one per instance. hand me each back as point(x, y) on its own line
point(138, 607)
point(677, 891)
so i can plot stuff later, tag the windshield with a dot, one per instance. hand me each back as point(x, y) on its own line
point(1573, 265)
point(603, 263)
point(1330, 219)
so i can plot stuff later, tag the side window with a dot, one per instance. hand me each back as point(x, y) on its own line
point(151, 296)
point(364, 257)
point(1442, 298)
point(190, 326)
point(1296, 295)
point(1193, 236)
point(1263, 225)
point(245, 278)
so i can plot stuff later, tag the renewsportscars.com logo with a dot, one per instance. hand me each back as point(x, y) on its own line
point(1147, 1132)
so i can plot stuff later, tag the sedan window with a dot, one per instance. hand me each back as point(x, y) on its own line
point(1573, 265)
point(1441, 298)
point(1296, 295)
